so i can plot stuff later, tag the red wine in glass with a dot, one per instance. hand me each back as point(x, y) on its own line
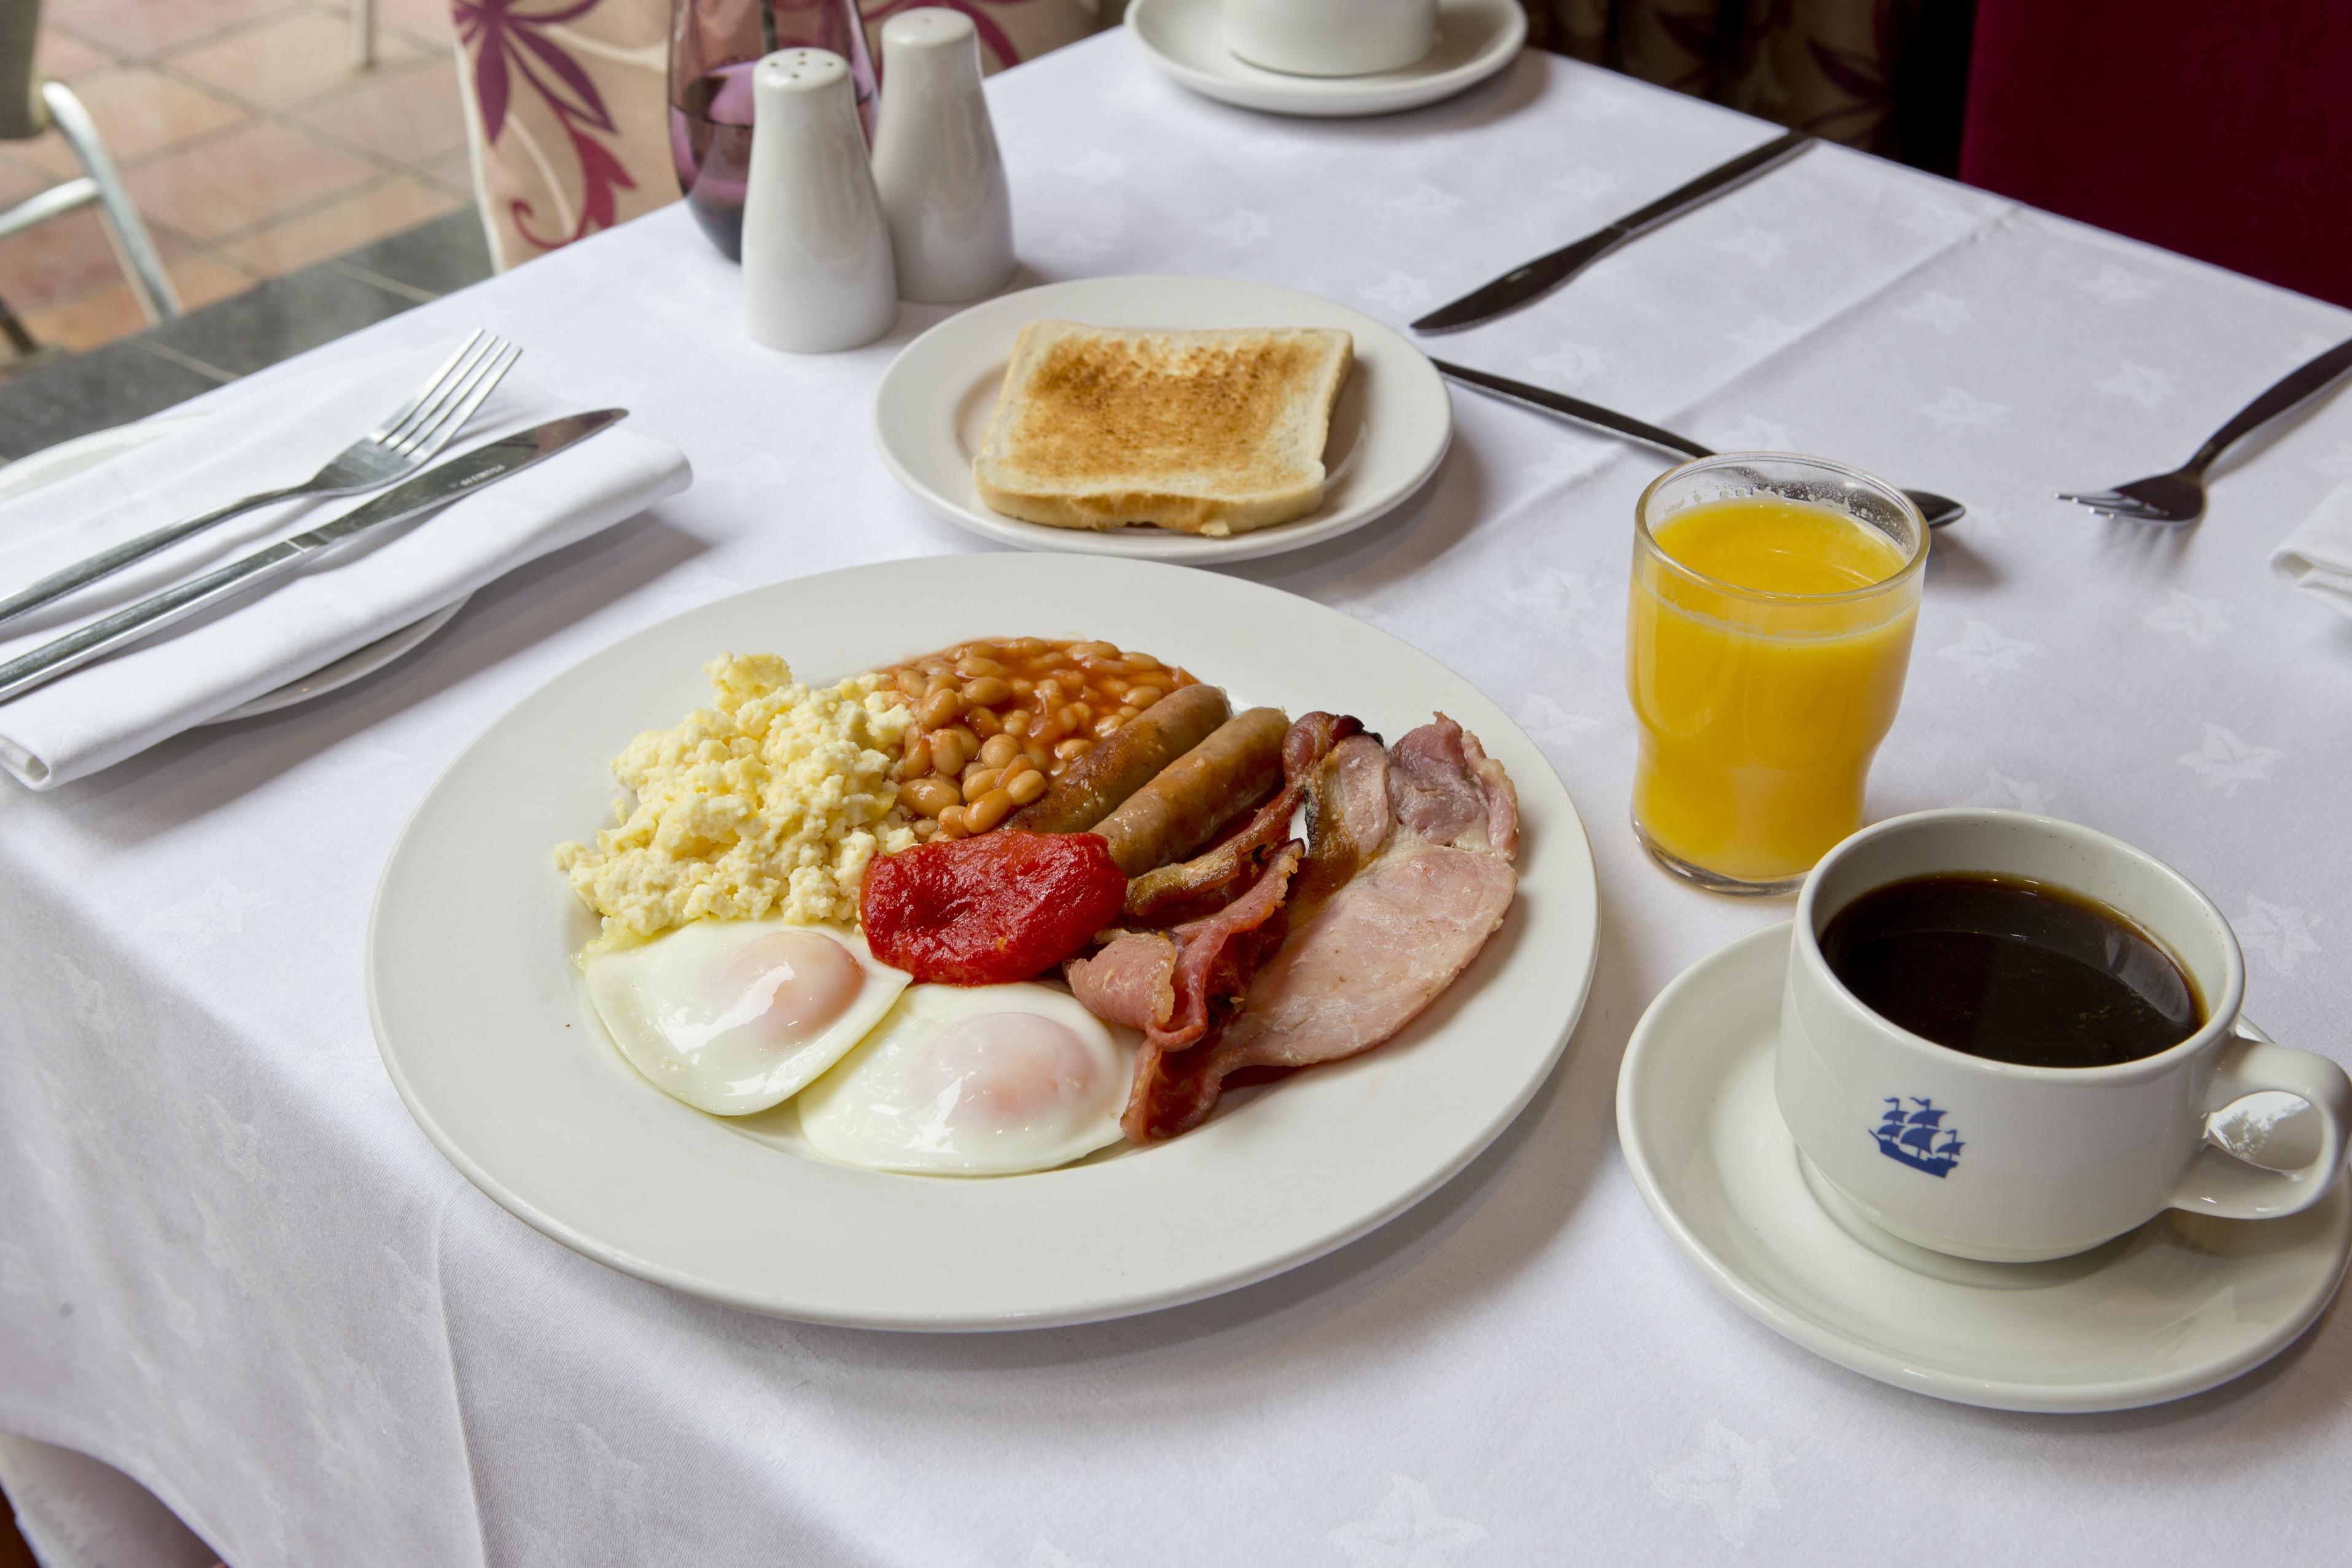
point(714, 44)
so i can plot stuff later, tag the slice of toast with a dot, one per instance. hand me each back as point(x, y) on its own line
point(1209, 433)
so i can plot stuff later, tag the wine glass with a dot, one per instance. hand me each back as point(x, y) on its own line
point(713, 44)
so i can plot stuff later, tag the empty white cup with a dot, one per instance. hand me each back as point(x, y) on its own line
point(1331, 37)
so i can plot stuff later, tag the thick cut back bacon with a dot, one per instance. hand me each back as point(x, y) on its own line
point(1384, 948)
point(1391, 941)
point(1451, 792)
point(1383, 943)
point(1132, 980)
point(1407, 874)
point(1502, 800)
point(1347, 820)
point(1175, 986)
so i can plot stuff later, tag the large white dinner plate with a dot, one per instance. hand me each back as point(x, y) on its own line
point(1389, 430)
point(1186, 38)
point(487, 1033)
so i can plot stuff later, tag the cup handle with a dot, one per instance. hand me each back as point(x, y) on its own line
point(2223, 1184)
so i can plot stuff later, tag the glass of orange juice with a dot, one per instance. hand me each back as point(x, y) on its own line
point(1773, 602)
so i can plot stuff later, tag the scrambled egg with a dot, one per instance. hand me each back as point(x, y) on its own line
point(768, 802)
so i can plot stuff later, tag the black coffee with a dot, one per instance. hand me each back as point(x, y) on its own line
point(2013, 970)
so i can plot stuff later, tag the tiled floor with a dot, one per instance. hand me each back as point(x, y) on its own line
point(249, 142)
point(272, 321)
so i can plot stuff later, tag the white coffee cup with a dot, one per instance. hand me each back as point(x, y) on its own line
point(2030, 1163)
point(1331, 37)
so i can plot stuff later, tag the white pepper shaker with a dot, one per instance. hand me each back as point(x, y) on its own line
point(936, 162)
point(817, 273)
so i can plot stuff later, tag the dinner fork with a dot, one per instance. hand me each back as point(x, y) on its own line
point(407, 440)
point(2175, 500)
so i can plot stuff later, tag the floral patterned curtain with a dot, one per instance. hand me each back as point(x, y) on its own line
point(567, 103)
point(1889, 76)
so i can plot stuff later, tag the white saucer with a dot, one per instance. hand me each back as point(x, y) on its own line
point(1389, 429)
point(67, 458)
point(2181, 1305)
point(1186, 38)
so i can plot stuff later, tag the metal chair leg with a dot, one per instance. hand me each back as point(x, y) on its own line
point(362, 33)
point(54, 202)
point(133, 247)
point(20, 341)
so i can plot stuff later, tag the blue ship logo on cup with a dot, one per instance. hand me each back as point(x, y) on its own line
point(1910, 1136)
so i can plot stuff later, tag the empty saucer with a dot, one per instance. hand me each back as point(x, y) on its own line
point(2181, 1304)
point(1186, 38)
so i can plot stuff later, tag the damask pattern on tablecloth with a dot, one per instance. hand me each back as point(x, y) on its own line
point(1574, 362)
point(1406, 1529)
point(1729, 1478)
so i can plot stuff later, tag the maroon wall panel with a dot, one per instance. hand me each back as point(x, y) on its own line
point(2220, 130)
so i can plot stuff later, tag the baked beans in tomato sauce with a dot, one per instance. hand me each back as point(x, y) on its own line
point(998, 720)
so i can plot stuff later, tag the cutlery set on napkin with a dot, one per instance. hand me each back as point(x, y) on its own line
point(191, 622)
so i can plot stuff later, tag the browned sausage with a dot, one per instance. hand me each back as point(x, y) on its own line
point(1194, 797)
point(1125, 761)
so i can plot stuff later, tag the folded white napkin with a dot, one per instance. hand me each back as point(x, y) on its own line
point(120, 705)
point(2317, 556)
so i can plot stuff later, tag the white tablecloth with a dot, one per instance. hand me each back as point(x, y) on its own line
point(231, 1265)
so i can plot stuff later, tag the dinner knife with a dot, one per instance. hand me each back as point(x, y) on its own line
point(436, 486)
point(1937, 510)
point(1546, 273)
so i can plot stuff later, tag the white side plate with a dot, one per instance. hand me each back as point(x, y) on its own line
point(1186, 38)
point(67, 458)
point(2181, 1304)
point(486, 1030)
point(1389, 430)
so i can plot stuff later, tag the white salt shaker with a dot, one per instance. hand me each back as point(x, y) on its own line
point(936, 164)
point(817, 274)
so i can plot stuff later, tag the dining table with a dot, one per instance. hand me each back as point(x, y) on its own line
point(233, 1267)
